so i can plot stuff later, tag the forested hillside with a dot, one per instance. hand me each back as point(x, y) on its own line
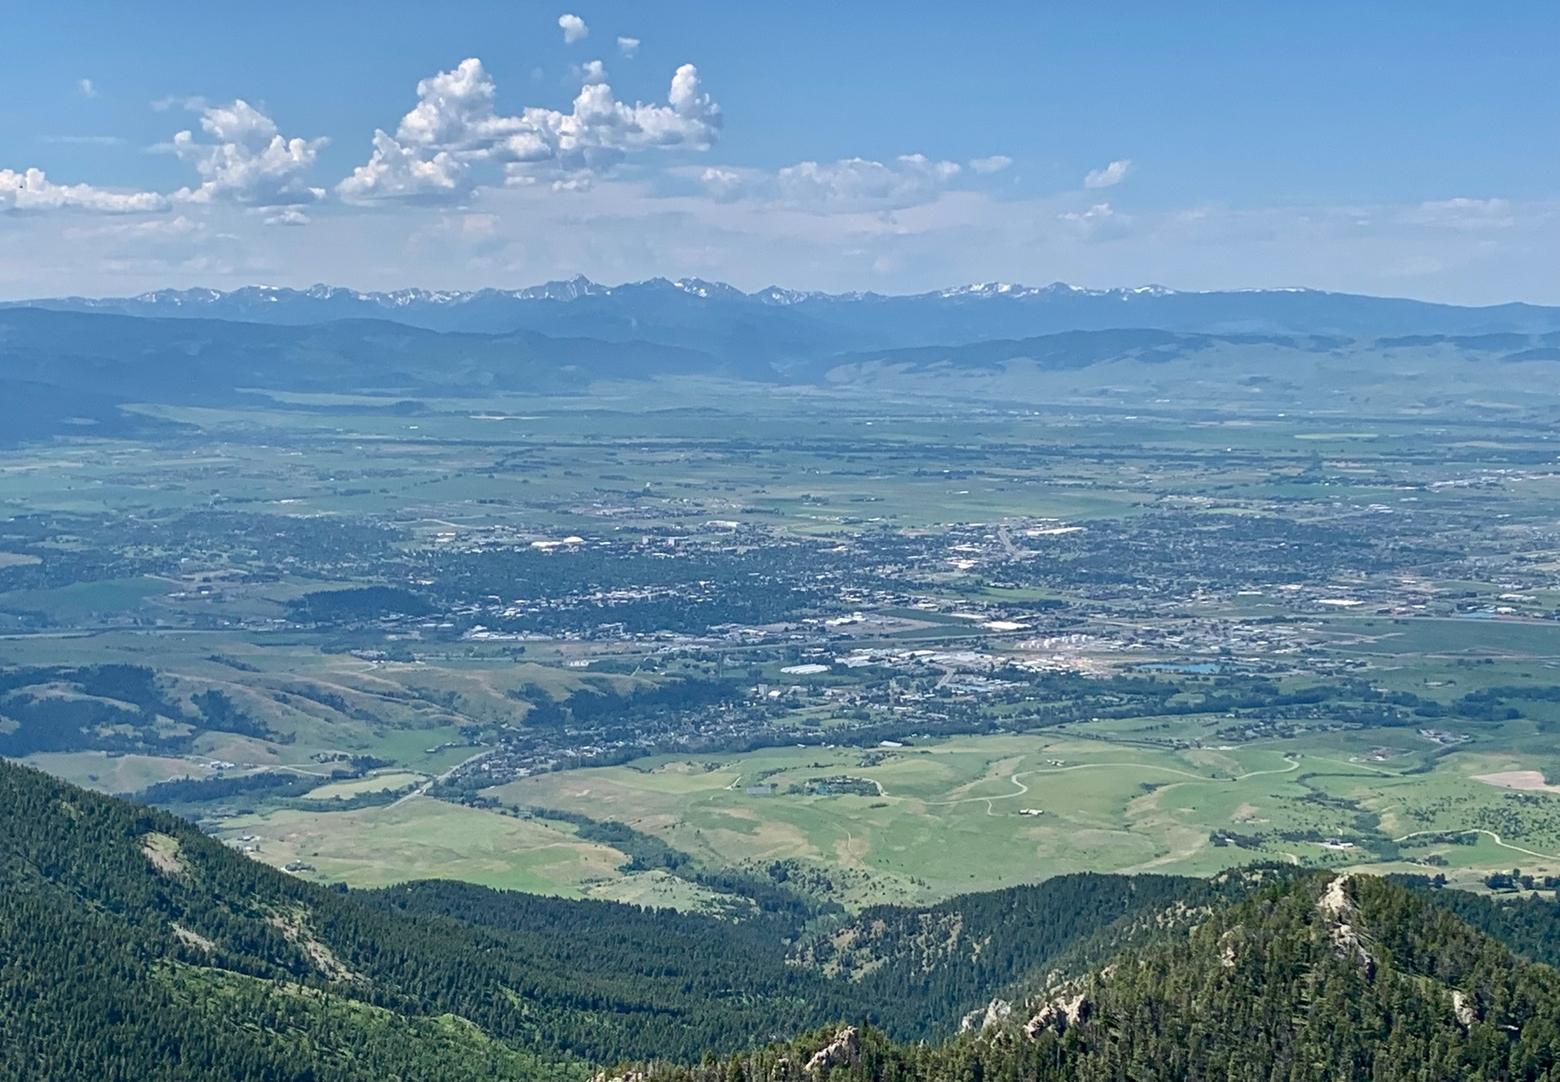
point(1315, 978)
point(137, 948)
point(144, 949)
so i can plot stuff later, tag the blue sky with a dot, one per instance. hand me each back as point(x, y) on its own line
point(1397, 148)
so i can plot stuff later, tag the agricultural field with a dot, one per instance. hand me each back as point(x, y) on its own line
point(986, 812)
point(673, 639)
point(429, 840)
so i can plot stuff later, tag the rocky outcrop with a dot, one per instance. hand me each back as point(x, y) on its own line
point(994, 1013)
point(843, 1051)
point(1336, 906)
point(1059, 1014)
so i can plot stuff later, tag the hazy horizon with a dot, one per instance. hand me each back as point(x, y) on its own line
point(1390, 152)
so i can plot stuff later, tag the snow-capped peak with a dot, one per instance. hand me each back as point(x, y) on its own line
point(1055, 289)
point(567, 290)
point(986, 289)
point(781, 296)
point(179, 297)
point(563, 289)
point(698, 287)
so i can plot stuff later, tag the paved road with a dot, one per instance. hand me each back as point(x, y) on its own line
point(422, 789)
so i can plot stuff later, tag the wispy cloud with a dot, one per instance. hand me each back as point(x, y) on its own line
point(847, 185)
point(288, 216)
point(995, 163)
point(1463, 214)
point(1098, 222)
point(83, 140)
point(1110, 176)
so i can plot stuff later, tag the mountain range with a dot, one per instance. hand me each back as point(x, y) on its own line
point(783, 324)
point(65, 371)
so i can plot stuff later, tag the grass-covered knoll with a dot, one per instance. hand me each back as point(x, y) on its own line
point(422, 838)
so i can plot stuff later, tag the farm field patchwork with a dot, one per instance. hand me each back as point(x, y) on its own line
point(851, 647)
point(986, 812)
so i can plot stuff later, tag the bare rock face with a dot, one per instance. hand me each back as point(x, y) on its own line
point(1059, 1014)
point(995, 1012)
point(1335, 904)
point(843, 1051)
point(1335, 899)
point(1231, 946)
point(1462, 1010)
point(631, 1076)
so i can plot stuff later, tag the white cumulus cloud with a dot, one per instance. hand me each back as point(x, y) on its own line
point(455, 135)
point(629, 47)
point(723, 184)
point(246, 160)
point(573, 28)
point(1110, 175)
point(395, 171)
point(32, 190)
point(454, 110)
point(599, 130)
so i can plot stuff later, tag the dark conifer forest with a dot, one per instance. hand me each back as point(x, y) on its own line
point(137, 948)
